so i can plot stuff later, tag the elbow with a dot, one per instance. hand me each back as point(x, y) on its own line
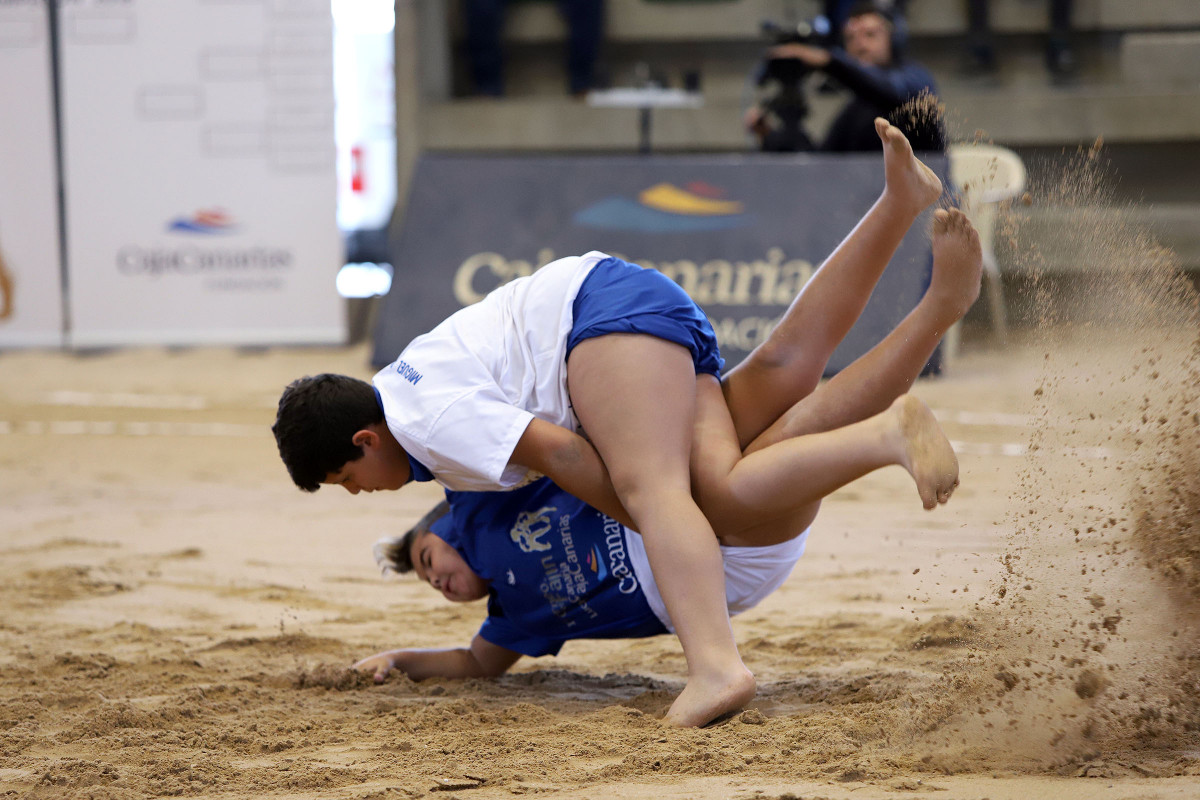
point(493, 671)
point(561, 458)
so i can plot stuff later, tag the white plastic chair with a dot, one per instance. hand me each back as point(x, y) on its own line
point(984, 176)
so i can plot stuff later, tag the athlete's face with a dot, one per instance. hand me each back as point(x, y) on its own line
point(382, 466)
point(868, 38)
point(440, 565)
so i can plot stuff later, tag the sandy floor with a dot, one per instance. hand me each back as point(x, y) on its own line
point(176, 619)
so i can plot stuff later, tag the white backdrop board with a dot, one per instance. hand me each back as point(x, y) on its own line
point(29, 232)
point(199, 167)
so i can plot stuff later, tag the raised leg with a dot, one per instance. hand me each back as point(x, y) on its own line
point(789, 365)
point(635, 396)
point(793, 476)
point(870, 384)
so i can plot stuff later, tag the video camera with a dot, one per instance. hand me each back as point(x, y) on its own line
point(784, 113)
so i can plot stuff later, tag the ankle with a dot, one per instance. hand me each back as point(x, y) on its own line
point(904, 207)
point(941, 310)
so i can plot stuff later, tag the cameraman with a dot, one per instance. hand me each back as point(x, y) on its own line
point(881, 80)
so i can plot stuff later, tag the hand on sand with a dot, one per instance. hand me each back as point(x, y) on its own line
point(379, 665)
point(907, 179)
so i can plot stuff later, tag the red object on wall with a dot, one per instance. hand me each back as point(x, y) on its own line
point(356, 168)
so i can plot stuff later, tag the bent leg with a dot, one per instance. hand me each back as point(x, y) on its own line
point(888, 370)
point(635, 397)
point(792, 475)
point(790, 363)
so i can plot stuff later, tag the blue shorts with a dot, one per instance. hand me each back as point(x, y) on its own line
point(619, 297)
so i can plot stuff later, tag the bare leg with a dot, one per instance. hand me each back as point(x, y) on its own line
point(789, 365)
point(869, 384)
point(794, 475)
point(636, 396)
point(868, 387)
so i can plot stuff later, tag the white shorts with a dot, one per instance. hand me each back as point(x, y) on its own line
point(751, 573)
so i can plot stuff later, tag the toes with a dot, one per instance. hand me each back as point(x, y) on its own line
point(941, 220)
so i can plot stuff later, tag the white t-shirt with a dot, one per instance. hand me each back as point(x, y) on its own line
point(459, 397)
point(751, 573)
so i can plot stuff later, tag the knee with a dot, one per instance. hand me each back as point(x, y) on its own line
point(643, 491)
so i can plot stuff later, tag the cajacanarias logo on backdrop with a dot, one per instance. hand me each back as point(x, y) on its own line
point(667, 208)
point(225, 265)
point(206, 220)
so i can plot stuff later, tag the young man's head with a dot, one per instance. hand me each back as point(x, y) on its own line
point(435, 561)
point(867, 35)
point(330, 429)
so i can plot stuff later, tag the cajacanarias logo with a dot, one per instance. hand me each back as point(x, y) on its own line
point(595, 563)
point(666, 208)
point(205, 221)
point(189, 256)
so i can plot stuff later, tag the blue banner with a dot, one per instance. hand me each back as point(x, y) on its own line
point(741, 234)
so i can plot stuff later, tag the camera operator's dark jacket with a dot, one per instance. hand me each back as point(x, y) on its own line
point(878, 92)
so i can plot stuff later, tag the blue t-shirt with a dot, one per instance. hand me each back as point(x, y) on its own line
point(559, 569)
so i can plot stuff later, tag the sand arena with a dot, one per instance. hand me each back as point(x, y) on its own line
point(178, 618)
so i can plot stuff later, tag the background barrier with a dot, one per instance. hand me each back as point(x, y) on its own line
point(29, 223)
point(199, 162)
point(742, 234)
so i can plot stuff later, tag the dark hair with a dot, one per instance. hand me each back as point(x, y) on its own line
point(892, 12)
point(394, 554)
point(864, 7)
point(315, 424)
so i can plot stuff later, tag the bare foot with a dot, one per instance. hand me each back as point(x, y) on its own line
point(908, 180)
point(957, 264)
point(925, 451)
point(703, 701)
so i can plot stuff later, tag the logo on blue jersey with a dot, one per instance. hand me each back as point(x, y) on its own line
point(530, 528)
point(622, 570)
point(666, 208)
point(595, 563)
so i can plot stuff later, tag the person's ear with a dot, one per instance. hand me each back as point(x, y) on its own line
point(365, 438)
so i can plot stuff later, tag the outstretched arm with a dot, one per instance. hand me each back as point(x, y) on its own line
point(886, 88)
point(481, 660)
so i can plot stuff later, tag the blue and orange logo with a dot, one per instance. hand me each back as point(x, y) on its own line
point(596, 564)
point(204, 221)
point(667, 208)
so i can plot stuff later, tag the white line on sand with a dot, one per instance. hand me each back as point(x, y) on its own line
point(189, 402)
point(993, 418)
point(110, 428)
point(1016, 449)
